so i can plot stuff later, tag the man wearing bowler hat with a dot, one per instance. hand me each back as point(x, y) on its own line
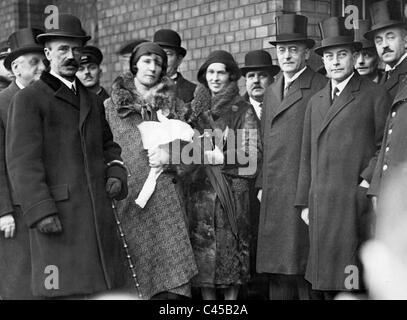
point(65, 168)
point(170, 41)
point(89, 71)
point(6, 77)
point(25, 61)
point(283, 239)
point(343, 130)
point(389, 34)
point(367, 60)
point(259, 73)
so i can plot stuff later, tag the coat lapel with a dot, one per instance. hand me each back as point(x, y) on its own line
point(397, 76)
point(61, 91)
point(85, 104)
point(344, 99)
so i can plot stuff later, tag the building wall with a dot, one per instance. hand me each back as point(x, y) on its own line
point(237, 26)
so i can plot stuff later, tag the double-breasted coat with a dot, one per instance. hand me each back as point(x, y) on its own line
point(59, 147)
point(394, 147)
point(341, 141)
point(397, 76)
point(283, 236)
point(15, 262)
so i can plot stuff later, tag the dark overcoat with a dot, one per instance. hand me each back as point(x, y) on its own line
point(58, 147)
point(184, 88)
point(397, 76)
point(394, 146)
point(15, 262)
point(339, 150)
point(283, 236)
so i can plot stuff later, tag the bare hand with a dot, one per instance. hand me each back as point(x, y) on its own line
point(158, 157)
point(215, 156)
point(8, 226)
point(50, 224)
point(374, 203)
point(305, 215)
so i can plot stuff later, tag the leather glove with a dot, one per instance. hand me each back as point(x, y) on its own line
point(8, 225)
point(113, 187)
point(50, 224)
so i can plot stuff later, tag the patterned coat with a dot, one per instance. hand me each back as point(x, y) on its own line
point(221, 255)
point(58, 149)
point(157, 235)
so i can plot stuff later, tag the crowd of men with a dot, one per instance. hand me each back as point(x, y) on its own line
point(329, 140)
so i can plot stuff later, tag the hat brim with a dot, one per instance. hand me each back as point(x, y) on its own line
point(310, 43)
point(389, 24)
point(182, 51)
point(273, 70)
point(42, 38)
point(320, 50)
point(19, 52)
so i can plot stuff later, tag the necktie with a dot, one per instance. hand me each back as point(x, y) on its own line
point(335, 94)
point(389, 73)
point(286, 88)
point(261, 110)
point(74, 90)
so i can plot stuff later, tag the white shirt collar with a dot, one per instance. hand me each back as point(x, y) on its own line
point(63, 80)
point(341, 85)
point(19, 84)
point(388, 68)
point(256, 106)
point(294, 77)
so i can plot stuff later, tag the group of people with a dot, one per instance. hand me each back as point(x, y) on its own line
point(277, 188)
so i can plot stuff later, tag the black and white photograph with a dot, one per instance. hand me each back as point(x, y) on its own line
point(203, 154)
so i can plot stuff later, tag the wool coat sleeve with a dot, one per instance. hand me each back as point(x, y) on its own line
point(381, 110)
point(6, 206)
point(112, 154)
point(304, 176)
point(24, 141)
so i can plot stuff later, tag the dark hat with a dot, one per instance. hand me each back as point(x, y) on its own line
point(334, 33)
point(91, 54)
point(68, 26)
point(363, 27)
point(259, 59)
point(219, 56)
point(21, 42)
point(385, 14)
point(4, 51)
point(146, 48)
point(169, 38)
point(129, 46)
point(292, 28)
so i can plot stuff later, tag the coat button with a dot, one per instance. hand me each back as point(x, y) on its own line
point(385, 167)
point(174, 181)
point(393, 114)
point(387, 149)
point(390, 131)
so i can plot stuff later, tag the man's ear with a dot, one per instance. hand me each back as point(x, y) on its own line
point(14, 68)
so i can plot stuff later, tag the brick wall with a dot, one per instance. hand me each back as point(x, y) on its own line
point(237, 26)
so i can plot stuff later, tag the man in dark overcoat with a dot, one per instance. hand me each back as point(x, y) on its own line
point(343, 130)
point(26, 62)
point(389, 34)
point(259, 72)
point(64, 166)
point(282, 249)
point(170, 41)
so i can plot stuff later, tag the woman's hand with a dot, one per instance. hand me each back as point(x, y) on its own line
point(158, 157)
point(215, 156)
point(8, 226)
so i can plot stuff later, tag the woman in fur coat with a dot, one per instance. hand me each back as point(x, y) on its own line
point(218, 190)
point(157, 235)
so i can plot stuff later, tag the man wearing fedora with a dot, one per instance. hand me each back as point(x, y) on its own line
point(170, 41)
point(65, 168)
point(25, 61)
point(283, 238)
point(89, 71)
point(367, 60)
point(343, 130)
point(388, 32)
point(259, 73)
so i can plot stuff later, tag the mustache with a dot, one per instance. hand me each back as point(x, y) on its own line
point(387, 50)
point(71, 62)
point(257, 87)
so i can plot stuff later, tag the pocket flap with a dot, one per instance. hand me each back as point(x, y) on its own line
point(60, 192)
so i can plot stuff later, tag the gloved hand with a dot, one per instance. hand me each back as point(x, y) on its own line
point(113, 187)
point(158, 156)
point(50, 224)
point(215, 156)
point(8, 225)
